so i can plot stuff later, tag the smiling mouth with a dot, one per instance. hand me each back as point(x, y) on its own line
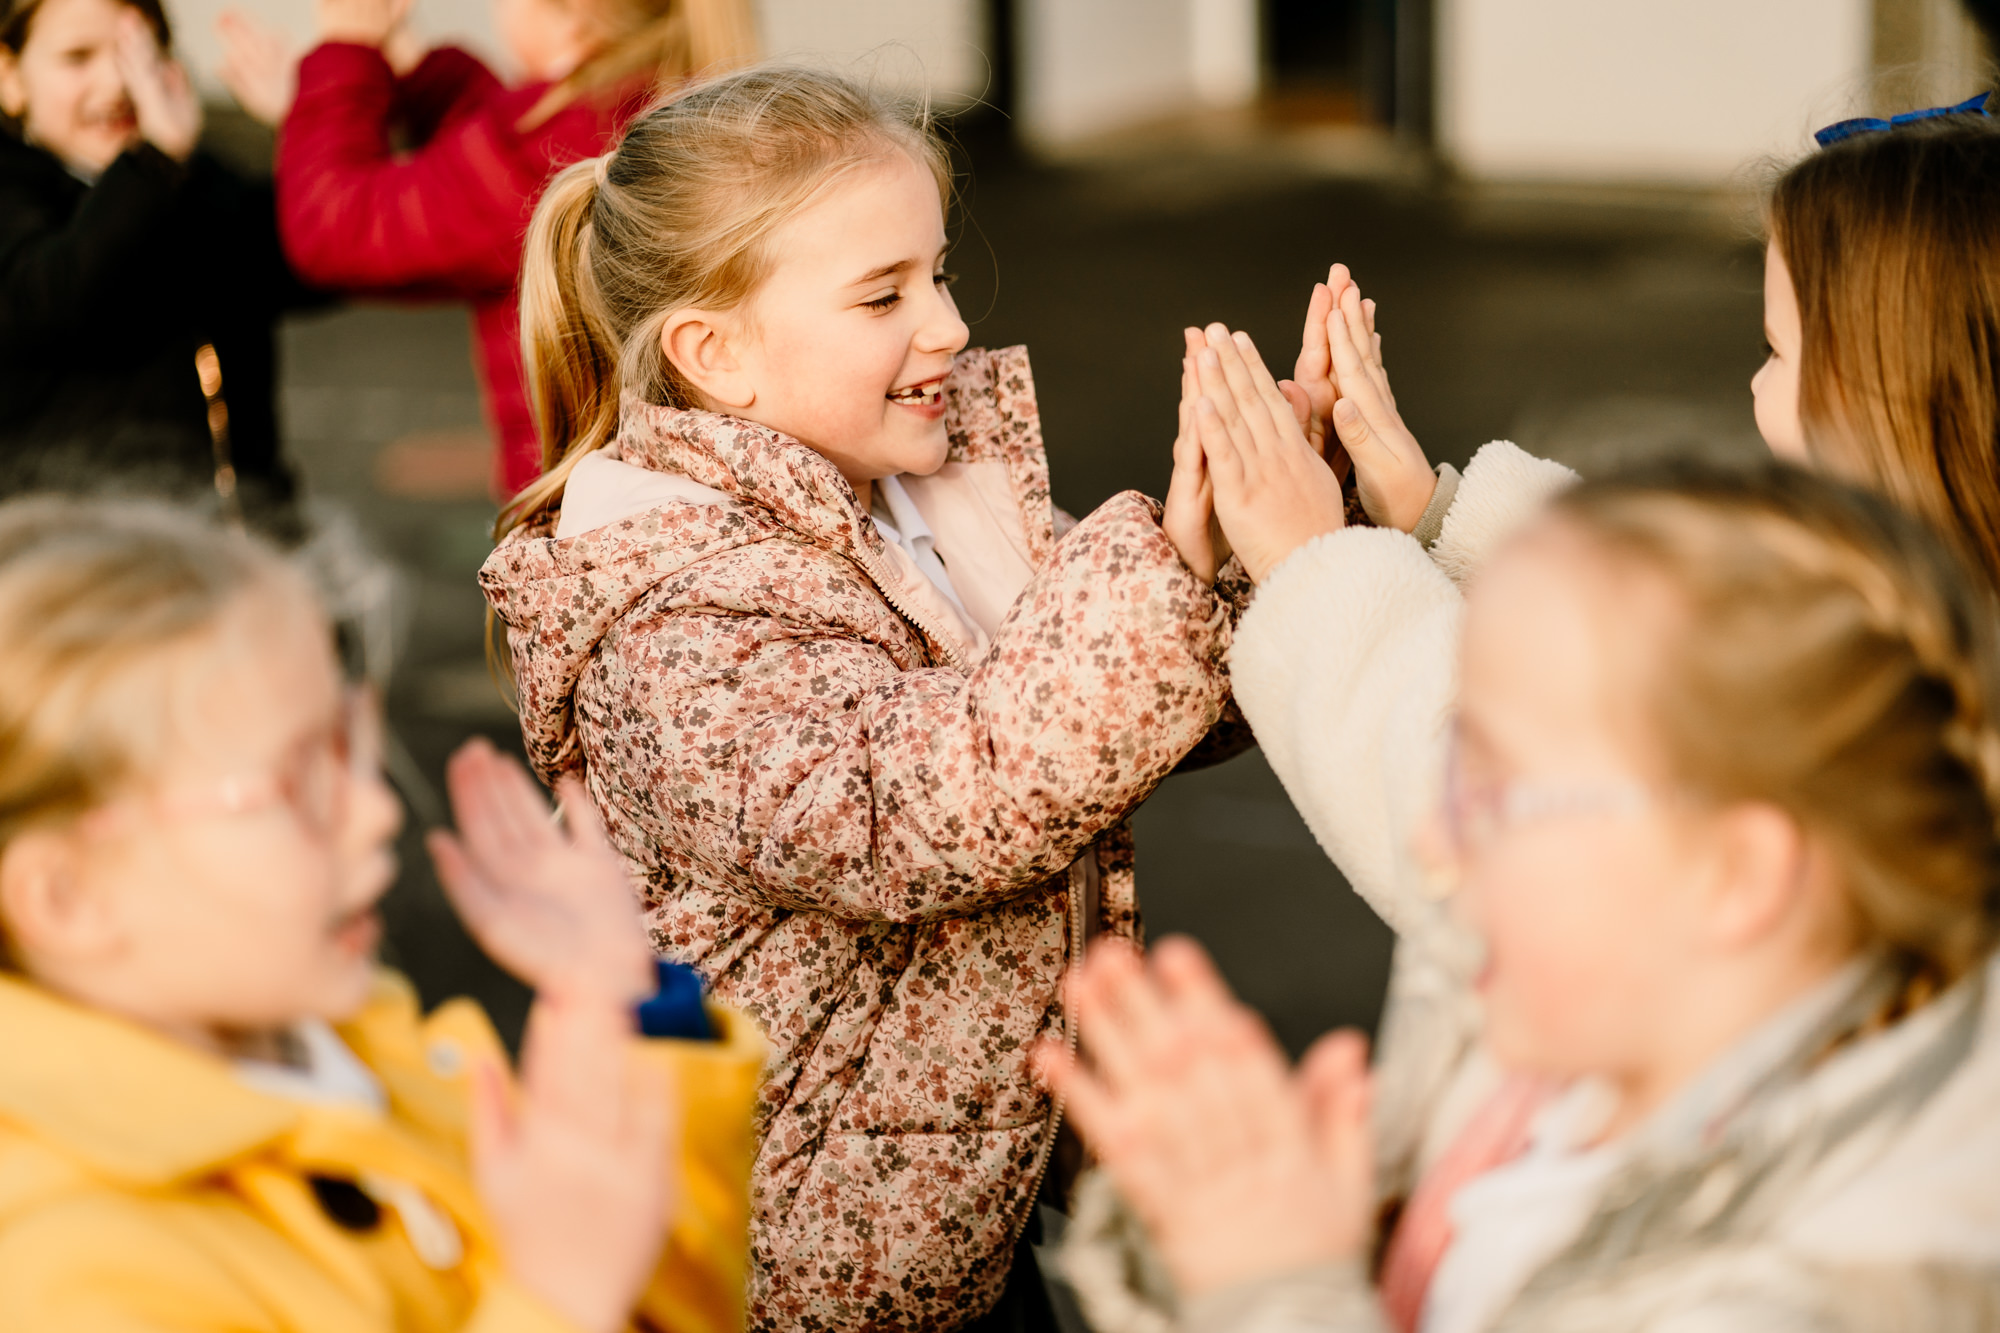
point(927, 394)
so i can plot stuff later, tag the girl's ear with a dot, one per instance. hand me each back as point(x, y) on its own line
point(47, 909)
point(1767, 879)
point(701, 347)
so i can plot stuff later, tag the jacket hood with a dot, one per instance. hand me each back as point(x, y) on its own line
point(772, 487)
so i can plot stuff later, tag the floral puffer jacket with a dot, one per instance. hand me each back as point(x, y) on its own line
point(876, 847)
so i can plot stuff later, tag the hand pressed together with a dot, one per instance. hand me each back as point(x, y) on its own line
point(1273, 491)
point(1239, 1167)
point(1393, 477)
point(1189, 519)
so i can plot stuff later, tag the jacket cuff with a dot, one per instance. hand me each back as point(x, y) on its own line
point(1432, 522)
point(1326, 1298)
point(1502, 488)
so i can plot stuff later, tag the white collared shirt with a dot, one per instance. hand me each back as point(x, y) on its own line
point(896, 518)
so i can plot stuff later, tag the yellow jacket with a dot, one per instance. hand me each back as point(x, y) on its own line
point(144, 1186)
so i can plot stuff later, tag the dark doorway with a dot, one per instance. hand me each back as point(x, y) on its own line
point(1357, 61)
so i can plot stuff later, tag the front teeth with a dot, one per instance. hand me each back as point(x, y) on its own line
point(916, 394)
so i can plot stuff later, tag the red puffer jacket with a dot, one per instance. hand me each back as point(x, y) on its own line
point(443, 220)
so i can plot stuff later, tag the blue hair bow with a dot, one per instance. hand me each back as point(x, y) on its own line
point(1847, 129)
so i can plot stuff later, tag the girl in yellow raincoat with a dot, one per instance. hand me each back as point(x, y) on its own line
point(216, 1112)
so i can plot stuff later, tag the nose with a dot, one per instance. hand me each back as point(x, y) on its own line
point(943, 330)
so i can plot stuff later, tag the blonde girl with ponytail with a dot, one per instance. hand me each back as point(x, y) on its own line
point(414, 173)
point(864, 712)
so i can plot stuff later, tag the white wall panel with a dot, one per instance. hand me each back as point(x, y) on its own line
point(1641, 90)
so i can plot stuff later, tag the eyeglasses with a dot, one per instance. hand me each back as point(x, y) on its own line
point(314, 780)
point(1475, 813)
point(1847, 129)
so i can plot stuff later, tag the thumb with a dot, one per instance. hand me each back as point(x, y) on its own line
point(1351, 425)
point(1301, 404)
point(1334, 1077)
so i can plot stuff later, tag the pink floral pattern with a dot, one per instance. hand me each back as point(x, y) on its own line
point(856, 842)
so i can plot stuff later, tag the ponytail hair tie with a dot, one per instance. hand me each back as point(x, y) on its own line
point(603, 169)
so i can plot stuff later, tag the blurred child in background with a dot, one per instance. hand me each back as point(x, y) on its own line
point(416, 177)
point(1722, 827)
point(216, 1113)
point(140, 279)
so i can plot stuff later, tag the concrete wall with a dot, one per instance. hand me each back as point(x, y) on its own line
point(1087, 67)
point(1638, 89)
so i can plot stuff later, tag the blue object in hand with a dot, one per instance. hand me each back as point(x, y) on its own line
point(675, 1009)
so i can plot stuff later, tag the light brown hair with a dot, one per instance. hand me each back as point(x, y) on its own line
point(1894, 252)
point(97, 599)
point(665, 42)
point(1834, 659)
point(680, 214)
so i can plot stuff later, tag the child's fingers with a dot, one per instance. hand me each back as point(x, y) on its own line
point(580, 815)
point(1224, 460)
point(1275, 403)
point(1314, 359)
point(1244, 408)
point(1226, 400)
point(1358, 332)
point(1301, 405)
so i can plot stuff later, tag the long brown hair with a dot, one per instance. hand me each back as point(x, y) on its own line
point(1836, 659)
point(679, 214)
point(665, 42)
point(1893, 244)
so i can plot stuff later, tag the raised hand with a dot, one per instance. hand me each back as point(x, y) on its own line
point(577, 1166)
point(257, 66)
point(1393, 477)
point(1273, 491)
point(163, 100)
point(554, 908)
point(363, 22)
point(1189, 519)
point(1311, 390)
point(1237, 1168)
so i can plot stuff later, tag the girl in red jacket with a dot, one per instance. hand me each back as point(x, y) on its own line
point(444, 217)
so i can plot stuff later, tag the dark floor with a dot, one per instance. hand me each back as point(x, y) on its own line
point(1593, 329)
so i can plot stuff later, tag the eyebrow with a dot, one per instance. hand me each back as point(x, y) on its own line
point(886, 270)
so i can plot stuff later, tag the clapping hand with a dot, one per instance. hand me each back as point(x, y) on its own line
point(1189, 519)
point(576, 1164)
point(1393, 477)
point(363, 22)
point(555, 908)
point(257, 67)
point(1273, 491)
point(163, 100)
point(1238, 1167)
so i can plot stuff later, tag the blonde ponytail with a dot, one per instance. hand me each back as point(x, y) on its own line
point(567, 345)
point(680, 214)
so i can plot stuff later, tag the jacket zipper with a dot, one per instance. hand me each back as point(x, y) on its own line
point(882, 583)
point(880, 575)
point(1077, 928)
